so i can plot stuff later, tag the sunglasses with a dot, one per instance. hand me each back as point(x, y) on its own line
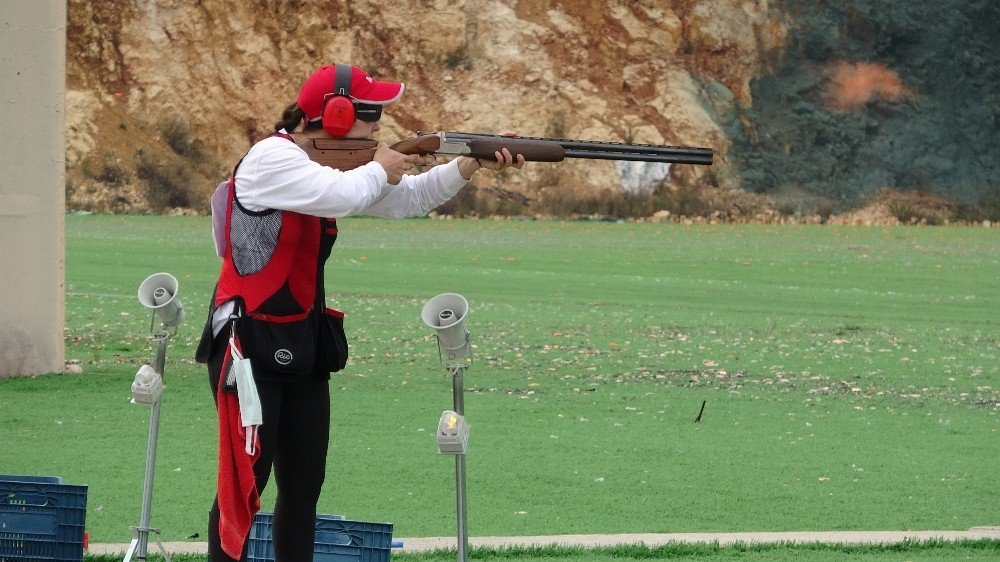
point(369, 113)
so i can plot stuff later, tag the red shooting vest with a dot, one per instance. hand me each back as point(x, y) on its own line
point(289, 280)
point(272, 265)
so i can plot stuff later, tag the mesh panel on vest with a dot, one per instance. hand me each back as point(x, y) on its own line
point(253, 238)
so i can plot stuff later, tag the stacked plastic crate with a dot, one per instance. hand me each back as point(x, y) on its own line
point(41, 519)
point(337, 540)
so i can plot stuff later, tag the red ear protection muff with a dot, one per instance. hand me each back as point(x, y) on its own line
point(338, 109)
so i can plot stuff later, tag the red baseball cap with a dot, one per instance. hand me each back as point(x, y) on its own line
point(364, 89)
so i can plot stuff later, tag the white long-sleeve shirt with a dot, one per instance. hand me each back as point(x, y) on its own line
point(277, 174)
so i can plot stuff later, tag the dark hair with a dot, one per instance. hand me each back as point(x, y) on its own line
point(290, 119)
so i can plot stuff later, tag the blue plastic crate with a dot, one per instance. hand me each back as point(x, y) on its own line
point(41, 519)
point(337, 540)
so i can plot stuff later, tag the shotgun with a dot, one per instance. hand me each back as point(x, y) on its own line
point(346, 154)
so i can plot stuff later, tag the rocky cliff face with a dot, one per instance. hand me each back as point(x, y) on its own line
point(161, 90)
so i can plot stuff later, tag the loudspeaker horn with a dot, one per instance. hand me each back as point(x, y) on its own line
point(446, 314)
point(159, 294)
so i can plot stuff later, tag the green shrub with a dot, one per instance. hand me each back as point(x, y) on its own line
point(989, 206)
point(915, 207)
point(459, 59)
point(177, 135)
point(168, 185)
point(112, 174)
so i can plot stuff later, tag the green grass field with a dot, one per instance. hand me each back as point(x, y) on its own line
point(932, 550)
point(850, 376)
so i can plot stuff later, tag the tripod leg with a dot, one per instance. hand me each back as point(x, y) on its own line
point(131, 550)
point(163, 550)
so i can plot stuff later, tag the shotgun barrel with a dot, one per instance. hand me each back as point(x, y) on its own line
point(609, 150)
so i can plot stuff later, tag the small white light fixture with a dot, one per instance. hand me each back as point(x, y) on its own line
point(147, 386)
point(452, 434)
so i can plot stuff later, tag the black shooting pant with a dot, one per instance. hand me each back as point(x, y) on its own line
point(293, 439)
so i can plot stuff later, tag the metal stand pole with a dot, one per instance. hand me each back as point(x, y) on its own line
point(140, 534)
point(458, 392)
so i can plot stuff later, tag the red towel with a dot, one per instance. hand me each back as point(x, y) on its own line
point(237, 491)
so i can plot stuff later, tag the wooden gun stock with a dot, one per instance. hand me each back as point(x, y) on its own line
point(421, 145)
point(347, 154)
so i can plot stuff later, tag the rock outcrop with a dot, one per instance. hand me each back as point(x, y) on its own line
point(165, 88)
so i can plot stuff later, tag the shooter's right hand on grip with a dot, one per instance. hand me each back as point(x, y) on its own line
point(394, 163)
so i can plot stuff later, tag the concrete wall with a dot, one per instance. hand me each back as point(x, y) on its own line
point(32, 191)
